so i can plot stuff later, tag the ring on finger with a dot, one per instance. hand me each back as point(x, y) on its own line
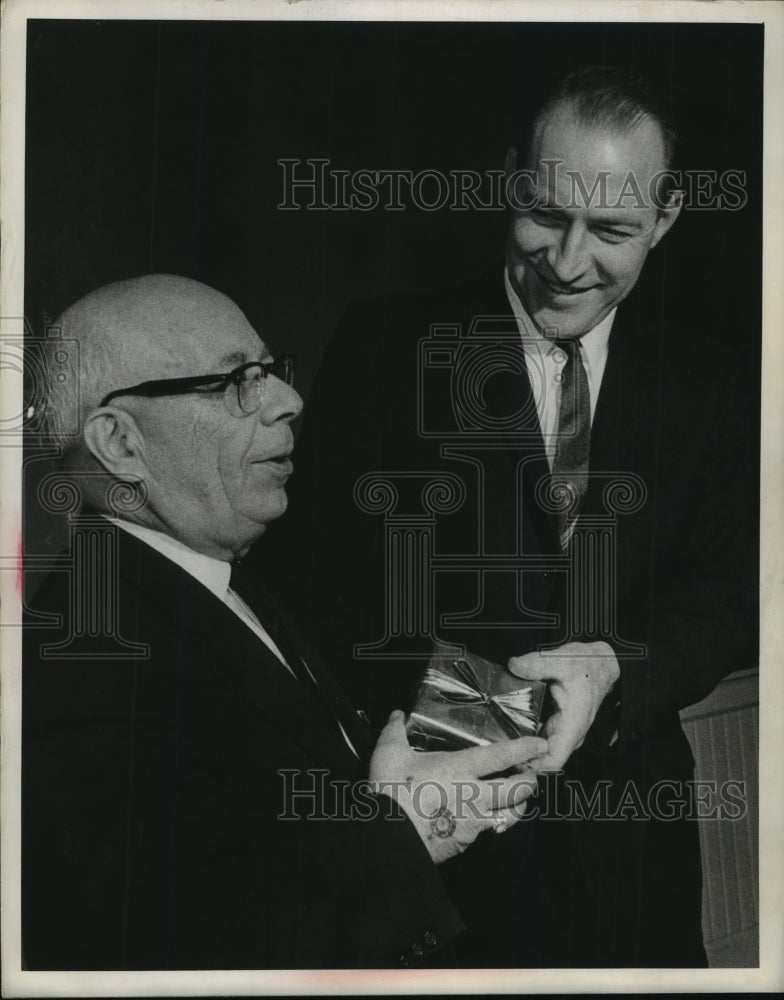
point(500, 823)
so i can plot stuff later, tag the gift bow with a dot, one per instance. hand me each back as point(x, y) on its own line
point(514, 707)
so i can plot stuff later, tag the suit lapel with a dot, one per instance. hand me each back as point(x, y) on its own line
point(508, 394)
point(237, 656)
point(526, 454)
point(626, 401)
point(287, 637)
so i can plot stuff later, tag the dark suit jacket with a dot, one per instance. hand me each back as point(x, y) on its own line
point(152, 791)
point(671, 415)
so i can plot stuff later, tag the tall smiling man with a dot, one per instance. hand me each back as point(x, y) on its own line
point(602, 538)
point(192, 773)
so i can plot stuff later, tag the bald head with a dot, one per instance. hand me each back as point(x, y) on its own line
point(155, 326)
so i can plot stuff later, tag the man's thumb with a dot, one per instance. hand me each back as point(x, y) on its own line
point(394, 732)
point(529, 666)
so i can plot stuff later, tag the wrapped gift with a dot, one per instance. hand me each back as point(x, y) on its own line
point(467, 701)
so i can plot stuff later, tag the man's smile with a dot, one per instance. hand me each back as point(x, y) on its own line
point(556, 288)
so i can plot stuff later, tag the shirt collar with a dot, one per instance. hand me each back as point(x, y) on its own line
point(213, 573)
point(593, 343)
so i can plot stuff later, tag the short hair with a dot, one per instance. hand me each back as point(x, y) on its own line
point(607, 97)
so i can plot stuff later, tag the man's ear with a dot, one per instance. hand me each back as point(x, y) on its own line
point(510, 162)
point(113, 438)
point(668, 213)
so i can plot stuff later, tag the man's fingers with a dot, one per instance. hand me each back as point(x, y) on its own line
point(394, 732)
point(502, 819)
point(546, 666)
point(559, 750)
point(503, 793)
point(499, 756)
point(525, 666)
point(550, 762)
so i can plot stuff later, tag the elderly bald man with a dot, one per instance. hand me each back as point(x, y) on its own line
point(193, 800)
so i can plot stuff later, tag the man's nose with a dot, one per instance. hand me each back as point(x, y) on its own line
point(567, 256)
point(279, 401)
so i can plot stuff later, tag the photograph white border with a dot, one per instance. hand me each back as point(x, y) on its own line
point(770, 975)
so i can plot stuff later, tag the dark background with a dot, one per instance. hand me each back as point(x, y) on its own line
point(153, 146)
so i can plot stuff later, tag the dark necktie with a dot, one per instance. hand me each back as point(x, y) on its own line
point(573, 443)
point(242, 583)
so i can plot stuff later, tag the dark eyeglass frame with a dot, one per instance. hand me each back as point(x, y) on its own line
point(282, 367)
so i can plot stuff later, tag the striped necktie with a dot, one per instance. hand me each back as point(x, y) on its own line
point(573, 443)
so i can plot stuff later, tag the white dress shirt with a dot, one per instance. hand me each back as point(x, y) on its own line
point(213, 573)
point(545, 361)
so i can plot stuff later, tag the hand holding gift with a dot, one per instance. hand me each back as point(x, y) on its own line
point(581, 675)
point(452, 797)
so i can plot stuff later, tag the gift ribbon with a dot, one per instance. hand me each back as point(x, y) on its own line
point(513, 707)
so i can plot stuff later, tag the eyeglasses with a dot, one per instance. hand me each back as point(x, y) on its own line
point(243, 387)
